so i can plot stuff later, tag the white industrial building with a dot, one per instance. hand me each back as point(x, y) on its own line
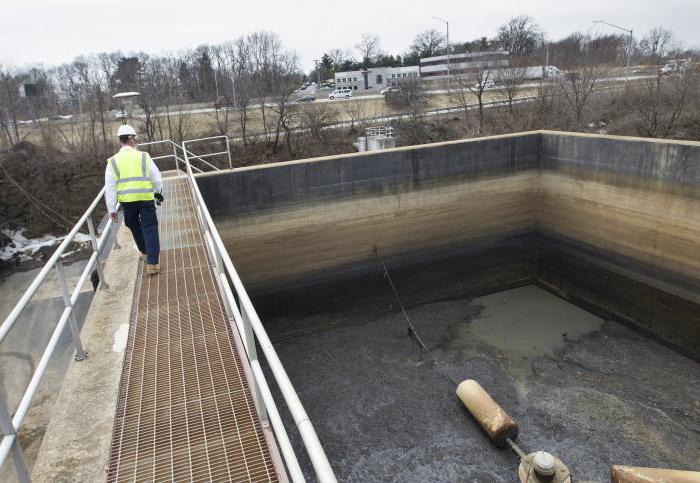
point(376, 77)
point(429, 68)
point(436, 67)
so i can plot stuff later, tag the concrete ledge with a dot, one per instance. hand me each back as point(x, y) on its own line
point(77, 441)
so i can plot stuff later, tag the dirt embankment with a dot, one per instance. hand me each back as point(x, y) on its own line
point(44, 191)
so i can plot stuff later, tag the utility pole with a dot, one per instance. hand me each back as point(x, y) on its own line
point(629, 47)
point(546, 52)
point(233, 80)
point(216, 77)
point(318, 74)
point(233, 87)
point(216, 85)
point(447, 25)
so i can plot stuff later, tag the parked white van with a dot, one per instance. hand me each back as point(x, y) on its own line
point(342, 93)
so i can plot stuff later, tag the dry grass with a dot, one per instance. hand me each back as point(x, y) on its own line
point(72, 132)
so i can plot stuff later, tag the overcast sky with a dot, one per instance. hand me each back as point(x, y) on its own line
point(56, 31)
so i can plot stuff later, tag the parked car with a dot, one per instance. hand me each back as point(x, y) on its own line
point(669, 69)
point(390, 90)
point(116, 114)
point(675, 67)
point(343, 92)
point(487, 84)
point(306, 99)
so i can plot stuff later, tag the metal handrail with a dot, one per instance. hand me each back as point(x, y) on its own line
point(165, 156)
point(241, 312)
point(10, 426)
point(174, 155)
point(238, 305)
point(211, 138)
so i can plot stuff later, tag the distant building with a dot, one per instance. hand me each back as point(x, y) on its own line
point(430, 68)
point(436, 67)
point(376, 77)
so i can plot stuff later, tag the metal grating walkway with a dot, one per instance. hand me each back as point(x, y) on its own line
point(185, 411)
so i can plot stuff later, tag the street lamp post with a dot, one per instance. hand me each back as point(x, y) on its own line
point(629, 47)
point(318, 74)
point(447, 26)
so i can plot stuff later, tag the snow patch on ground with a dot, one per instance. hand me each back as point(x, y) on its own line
point(19, 246)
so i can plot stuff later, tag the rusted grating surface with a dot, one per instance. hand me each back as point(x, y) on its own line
point(185, 410)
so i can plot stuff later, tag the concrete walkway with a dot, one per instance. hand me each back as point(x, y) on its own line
point(76, 443)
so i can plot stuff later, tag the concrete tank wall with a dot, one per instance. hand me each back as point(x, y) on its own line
point(619, 230)
point(303, 222)
point(610, 223)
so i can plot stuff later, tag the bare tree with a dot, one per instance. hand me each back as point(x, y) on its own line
point(9, 97)
point(150, 85)
point(474, 83)
point(410, 95)
point(520, 35)
point(510, 81)
point(464, 96)
point(583, 71)
point(368, 47)
point(355, 109)
point(271, 73)
point(283, 94)
point(412, 99)
point(662, 103)
point(428, 43)
point(656, 43)
point(338, 56)
point(315, 119)
point(242, 74)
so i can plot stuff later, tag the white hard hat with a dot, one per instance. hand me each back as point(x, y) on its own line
point(126, 130)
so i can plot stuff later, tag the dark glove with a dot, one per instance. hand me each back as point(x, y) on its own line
point(159, 198)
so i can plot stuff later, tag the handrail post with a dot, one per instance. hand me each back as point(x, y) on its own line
point(79, 352)
point(175, 156)
point(219, 264)
point(249, 337)
point(93, 238)
point(228, 151)
point(115, 229)
point(8, 429)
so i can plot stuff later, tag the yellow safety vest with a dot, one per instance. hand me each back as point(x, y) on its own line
point(130, 169)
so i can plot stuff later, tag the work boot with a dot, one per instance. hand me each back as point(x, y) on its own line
point(142, 256)
point(152, 269)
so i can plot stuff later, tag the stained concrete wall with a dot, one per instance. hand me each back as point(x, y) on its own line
point(619, 230)
point(610, 223)
point(303, 222)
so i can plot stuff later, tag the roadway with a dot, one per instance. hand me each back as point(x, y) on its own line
point(325, 92)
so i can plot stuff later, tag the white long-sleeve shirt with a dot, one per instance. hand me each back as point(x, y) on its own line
point(111, 183)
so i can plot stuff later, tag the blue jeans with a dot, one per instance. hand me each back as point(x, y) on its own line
point(140, 217)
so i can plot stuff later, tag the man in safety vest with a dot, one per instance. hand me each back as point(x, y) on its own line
point(133, 179)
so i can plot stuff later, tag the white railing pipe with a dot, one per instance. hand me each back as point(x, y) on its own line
point(38, 280)
point(26, 401)
point(290, 458)
point(313, 446)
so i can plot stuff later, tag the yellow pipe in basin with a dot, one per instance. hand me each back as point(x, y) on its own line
point(493, 420)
